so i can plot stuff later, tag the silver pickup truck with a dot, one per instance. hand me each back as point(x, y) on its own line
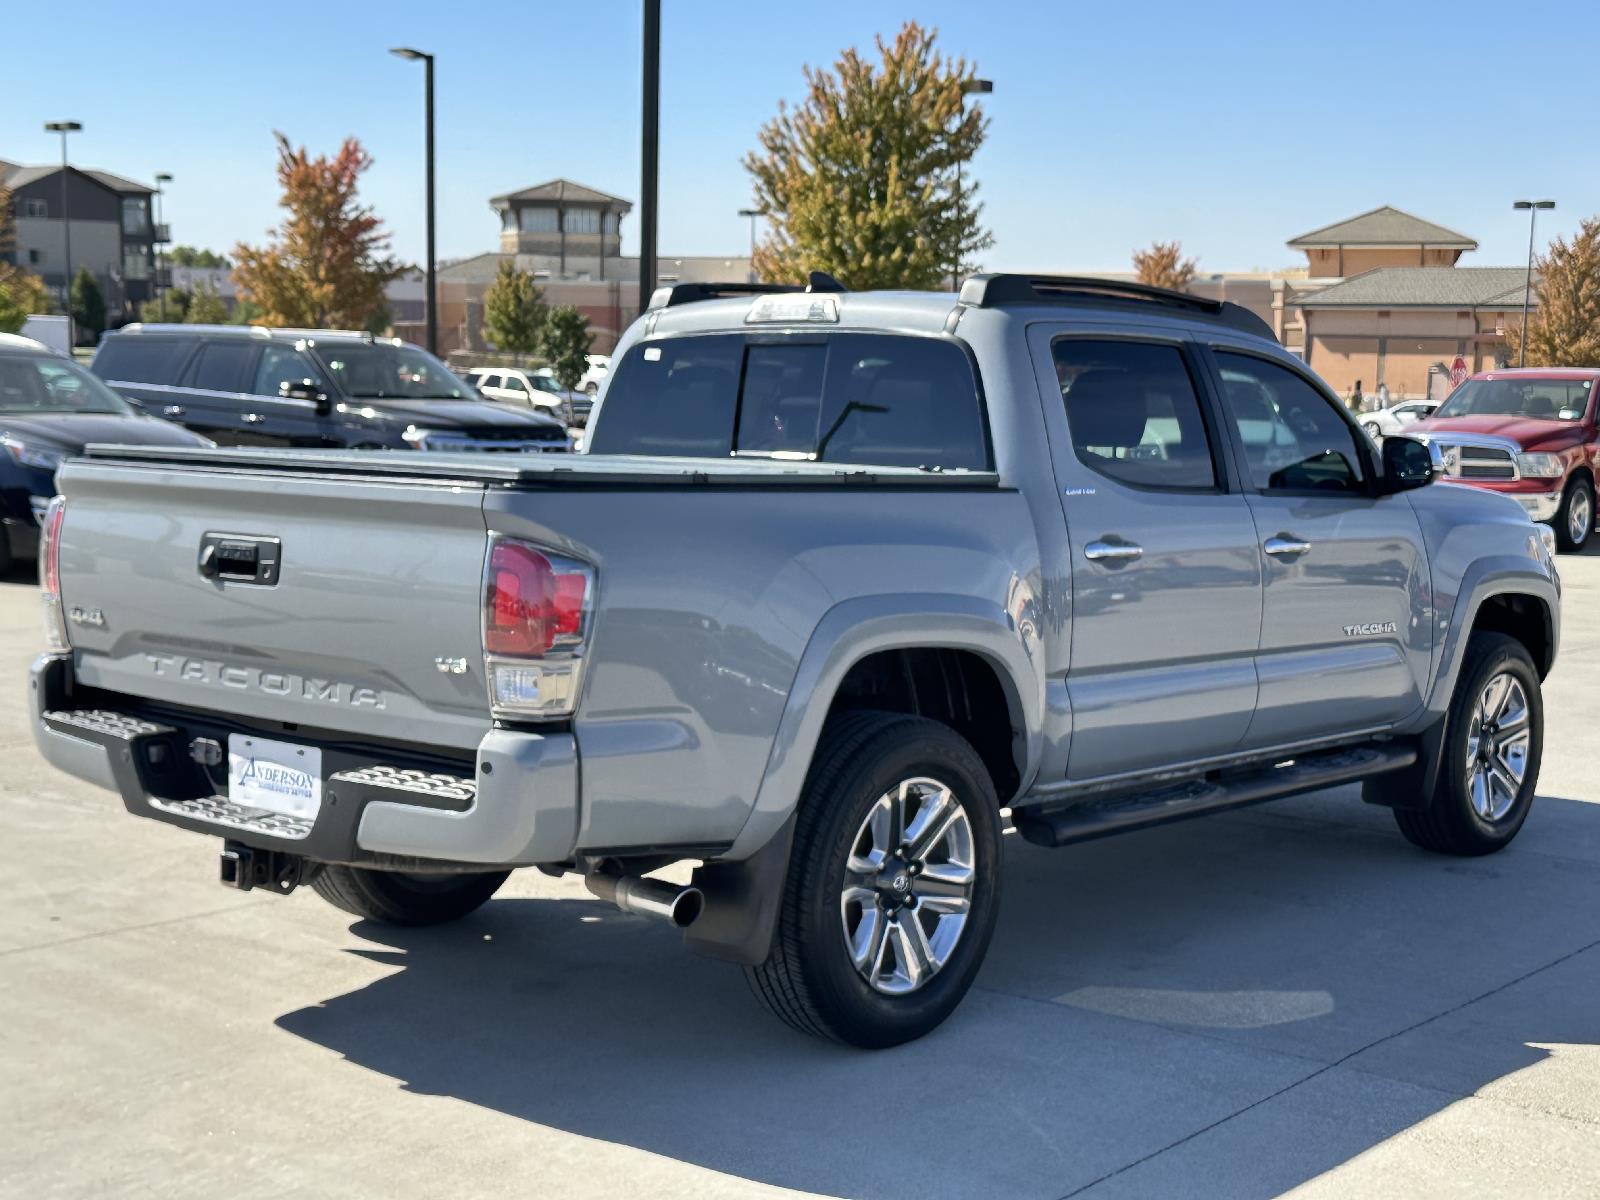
point(845, 583)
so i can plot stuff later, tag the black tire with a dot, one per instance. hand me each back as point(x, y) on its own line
point(808, 979)
point(1449, 824)
point(1579, 491)
point(400, 898)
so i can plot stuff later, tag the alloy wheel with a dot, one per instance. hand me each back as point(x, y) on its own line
point(908, 886)
point(1498, 738)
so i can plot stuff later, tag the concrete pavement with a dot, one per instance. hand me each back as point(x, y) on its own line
point(1285, 999)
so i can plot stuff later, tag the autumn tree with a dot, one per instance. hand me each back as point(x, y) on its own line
point(176, 300)
point(328, 262)
point(1163, 265)
point(861, 178)
point(1564, 330)
point(514, 312)
point(565, 341)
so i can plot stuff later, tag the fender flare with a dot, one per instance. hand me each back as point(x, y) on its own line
point(743, 891)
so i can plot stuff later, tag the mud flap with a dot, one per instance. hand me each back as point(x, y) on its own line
point(1411, 787)
point(742, 901)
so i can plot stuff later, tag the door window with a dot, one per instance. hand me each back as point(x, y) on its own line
point(138, 358)
point(1133, 413)
point(1294, 438)
point(513, 384)
point(221, 366)
point(280, 365)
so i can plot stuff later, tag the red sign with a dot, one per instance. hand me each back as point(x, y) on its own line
point(1458, 371)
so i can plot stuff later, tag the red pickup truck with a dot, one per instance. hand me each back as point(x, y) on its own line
point(1531, 434)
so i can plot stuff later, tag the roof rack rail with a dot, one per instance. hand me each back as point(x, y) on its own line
point(180, 327)
point(674, 294)
point(998, 290)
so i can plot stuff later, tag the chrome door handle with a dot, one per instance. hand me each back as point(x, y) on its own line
point(1097, 551)
point(253, 418)
point(1283, 544)
point(172, 410)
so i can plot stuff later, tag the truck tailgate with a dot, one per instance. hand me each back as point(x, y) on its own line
point(368, 624)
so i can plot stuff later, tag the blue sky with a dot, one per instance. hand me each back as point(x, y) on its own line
point(1230, 126)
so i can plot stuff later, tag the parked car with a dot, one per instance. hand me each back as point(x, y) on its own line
point(51, 408)
point(595, 373)
point(1397, 418)
point(1531, 434)
point(243, 386)
point(844, 577)
point(532, 389)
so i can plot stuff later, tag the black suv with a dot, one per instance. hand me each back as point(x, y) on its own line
point(252, 386)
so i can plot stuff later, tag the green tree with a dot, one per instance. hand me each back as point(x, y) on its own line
point(188, 256)
point(514, 313)
point(245, 313)
point(861, 178)
point(328, 262)
point(564, 341)
point(88, 304)
point(1164, 266)
point(178, 300)
point(206, 308)
point(1564, 330)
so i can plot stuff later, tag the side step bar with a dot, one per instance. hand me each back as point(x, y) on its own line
point(1107, 815)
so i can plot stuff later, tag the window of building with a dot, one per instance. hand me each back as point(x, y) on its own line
point(536, 220)
point(1294, 438)
point(35, 208)
point(35, 257)
point(582, 220)
point(135, 265)
point(611, 223)
point(868, 399)
point(135, 216)
point(1133, 413)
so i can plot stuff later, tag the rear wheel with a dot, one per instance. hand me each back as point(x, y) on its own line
point(893, 884)
point(403, 898)
point(1575, 519)
point(1493, 743)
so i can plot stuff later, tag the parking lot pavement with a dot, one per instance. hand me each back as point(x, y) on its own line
point(1285, 997)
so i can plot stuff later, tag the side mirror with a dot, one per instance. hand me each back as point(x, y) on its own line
point(1408, 463)
point(306, 389)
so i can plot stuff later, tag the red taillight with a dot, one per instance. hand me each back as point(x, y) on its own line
point(50, 547)
point(532, 604)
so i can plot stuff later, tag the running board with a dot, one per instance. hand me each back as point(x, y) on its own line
point(1107, 815)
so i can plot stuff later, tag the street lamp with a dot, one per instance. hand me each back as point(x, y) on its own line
point(64, 128)
point(1533, 207)
point(161, 178)
point(752, 213)
point(970, 87)
point(649, 149)
point(430, 308)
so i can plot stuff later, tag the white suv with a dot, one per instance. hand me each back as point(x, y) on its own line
point(534, 388)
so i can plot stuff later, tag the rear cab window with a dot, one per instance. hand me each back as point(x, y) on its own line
point(865, 399)
point(134, 358)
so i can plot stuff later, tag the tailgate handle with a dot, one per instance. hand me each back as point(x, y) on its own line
point(240, 558)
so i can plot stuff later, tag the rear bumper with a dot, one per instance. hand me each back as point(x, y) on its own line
point(515, 804)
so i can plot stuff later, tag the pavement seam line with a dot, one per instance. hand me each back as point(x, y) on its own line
point(100, 933)
point(1339, 1062)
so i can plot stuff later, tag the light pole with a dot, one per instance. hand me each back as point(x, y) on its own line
point(430, 307)
point(752, 213)
point(161, 178)
point(650, 141)
point(1533, 207)
point(64, 128)
point(971, 87)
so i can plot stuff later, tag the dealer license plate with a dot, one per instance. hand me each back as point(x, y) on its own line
point(279, 777)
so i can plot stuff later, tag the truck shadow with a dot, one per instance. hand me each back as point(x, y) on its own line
point(1138, 991)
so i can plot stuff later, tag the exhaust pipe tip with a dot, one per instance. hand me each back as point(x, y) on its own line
point(678, 906)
